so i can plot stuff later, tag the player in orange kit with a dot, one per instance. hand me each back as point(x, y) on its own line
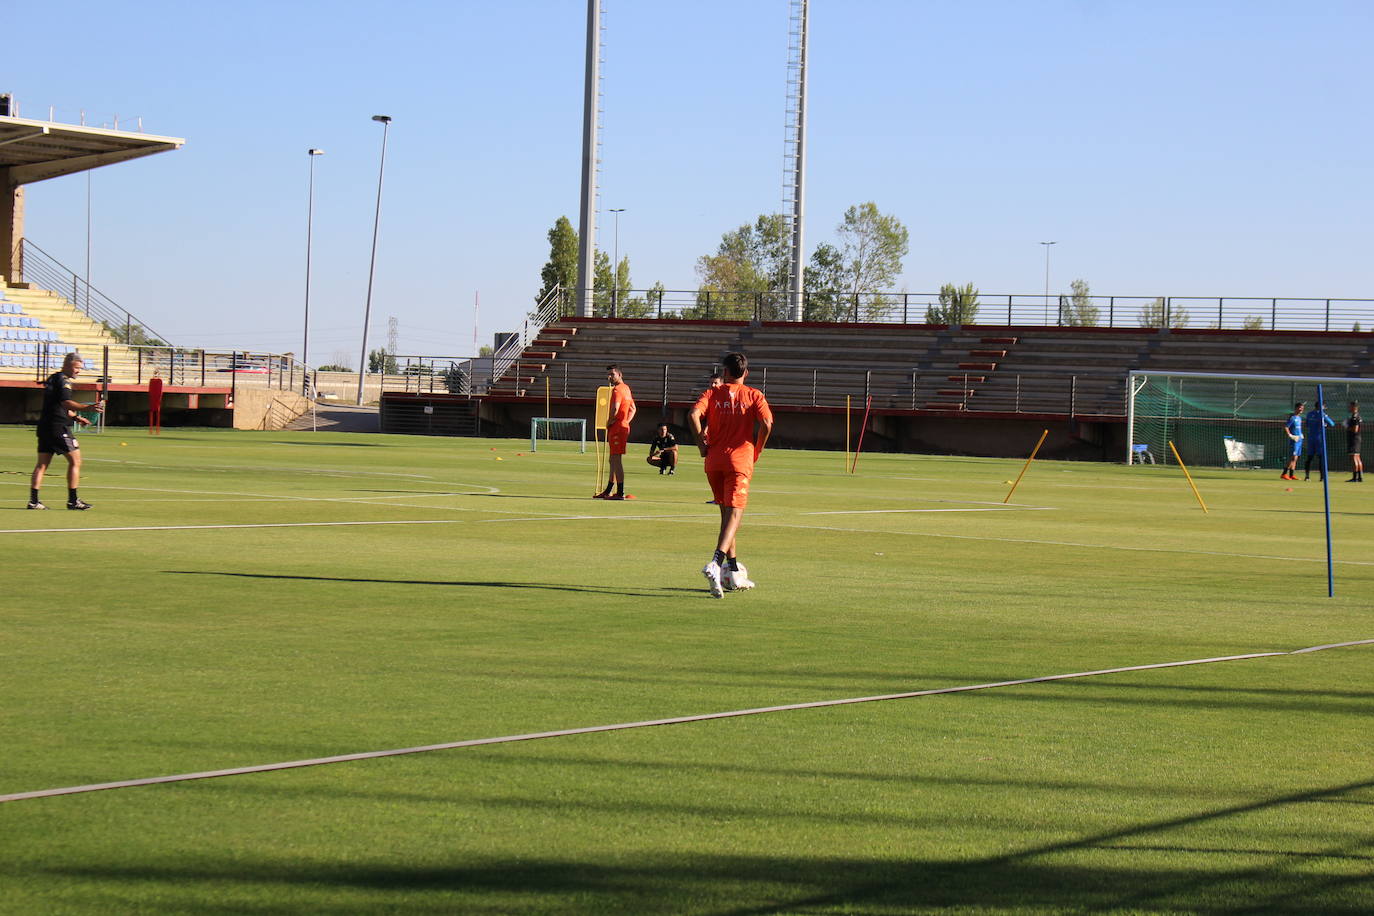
point(739, 423)
point(622, 411)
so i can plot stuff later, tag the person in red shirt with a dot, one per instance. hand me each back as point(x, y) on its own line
point(738, 423)
point(622, 411)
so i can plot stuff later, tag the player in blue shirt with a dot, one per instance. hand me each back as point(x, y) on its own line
point(1293, 428)
point(1316, 441)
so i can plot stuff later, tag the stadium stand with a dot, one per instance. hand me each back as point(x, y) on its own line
point(33, 321)
point(1064, 371)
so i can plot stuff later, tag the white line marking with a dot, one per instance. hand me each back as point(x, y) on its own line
point(622, 726)
point(909, 511)
point(1334, 645)
point(412, 521)
point(977, 537)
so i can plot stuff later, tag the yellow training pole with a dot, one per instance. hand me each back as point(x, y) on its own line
point(1034, 451)
point(846, 432)
point(1189, 476)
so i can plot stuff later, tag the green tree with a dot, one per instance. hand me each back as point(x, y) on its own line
point(826, 286)
point(872, 245)
point(1255, 323)
point(602, 283)
point(958, 305)
point(747, 272)
point(1152, 314)
point(1078, 310)
point(381, 361)
point(645, 306)
point(561, 268)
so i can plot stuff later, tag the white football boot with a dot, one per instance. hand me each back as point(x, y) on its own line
point(712, 573)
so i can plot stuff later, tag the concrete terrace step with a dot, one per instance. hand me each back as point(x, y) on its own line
point(979, 367)
point(998, 340)
point(945, 405)
point(966, 378)
point(990, 354)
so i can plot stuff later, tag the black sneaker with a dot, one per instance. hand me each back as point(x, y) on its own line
point(78, 504)
point(35, 504)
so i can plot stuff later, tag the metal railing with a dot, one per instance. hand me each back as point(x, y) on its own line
point(795, 384)
point(545, 313)
point(1055, 310)
point(43, 270)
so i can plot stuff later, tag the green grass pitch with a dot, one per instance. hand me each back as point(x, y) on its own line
point(241, 609)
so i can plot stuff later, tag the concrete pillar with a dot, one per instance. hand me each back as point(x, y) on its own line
point(11, 228)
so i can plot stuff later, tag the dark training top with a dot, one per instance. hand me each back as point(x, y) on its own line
point(54, 419)
point(1352, 434)
point(662, 442)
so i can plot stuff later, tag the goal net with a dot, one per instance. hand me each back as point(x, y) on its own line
point(1231, 420)
point(557, 429)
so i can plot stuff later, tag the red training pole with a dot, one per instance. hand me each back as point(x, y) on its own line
point(862, 426)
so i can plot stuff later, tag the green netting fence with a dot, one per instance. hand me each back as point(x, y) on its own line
point(1232, 420)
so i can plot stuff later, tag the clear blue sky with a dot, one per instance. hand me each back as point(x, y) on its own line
point(1179, 148)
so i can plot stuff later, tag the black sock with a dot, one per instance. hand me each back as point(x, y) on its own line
point(71, 494)
point(734, 564)
point(33, 495)
point(620, 488)
point(719, 557)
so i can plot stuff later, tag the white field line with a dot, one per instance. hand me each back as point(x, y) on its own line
point(410, 521)
point(908, 511)
point(1047, 543)
point(622, 726)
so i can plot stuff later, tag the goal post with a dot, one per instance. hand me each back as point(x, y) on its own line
point(558, 429)
point(1221, 421)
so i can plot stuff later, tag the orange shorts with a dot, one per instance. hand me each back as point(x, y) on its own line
point(617, 437)
point(730, 487)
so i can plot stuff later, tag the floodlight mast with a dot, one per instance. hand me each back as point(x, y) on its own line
point(795, 157)
point(309, 241)
point(385, 121)
point(586, 224)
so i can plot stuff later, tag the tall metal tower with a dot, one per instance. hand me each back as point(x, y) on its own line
point(591, 158)
point(794, 153)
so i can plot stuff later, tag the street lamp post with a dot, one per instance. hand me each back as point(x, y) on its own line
point(1047, 279)
point(385, 121)
point(309, 239)
point(615, 266)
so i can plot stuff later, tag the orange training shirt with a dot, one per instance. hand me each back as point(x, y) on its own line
point(730, 412)
point(625, 405)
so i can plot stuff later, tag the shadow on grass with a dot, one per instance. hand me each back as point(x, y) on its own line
point(1133, 868)
point(454, 583)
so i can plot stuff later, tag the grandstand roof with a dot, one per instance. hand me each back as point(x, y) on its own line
point(34, 150)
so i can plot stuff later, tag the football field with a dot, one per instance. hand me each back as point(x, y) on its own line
point(241, 600)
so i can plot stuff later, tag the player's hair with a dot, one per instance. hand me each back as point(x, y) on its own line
point(71, 358)
point(1355, 405)
point(613, 366)
point(715, 374)
point(735, 365)
point(1300, 405)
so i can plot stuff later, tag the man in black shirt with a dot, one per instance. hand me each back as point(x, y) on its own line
point(663, 451)
point(55, 431)
point(1352, 444)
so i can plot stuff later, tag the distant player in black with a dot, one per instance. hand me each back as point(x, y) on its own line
point(663, 451)
point(55, 431)
point(1352, 443)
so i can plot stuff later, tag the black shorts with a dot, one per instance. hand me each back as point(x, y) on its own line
point(1353, 446)
point(59, 442)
